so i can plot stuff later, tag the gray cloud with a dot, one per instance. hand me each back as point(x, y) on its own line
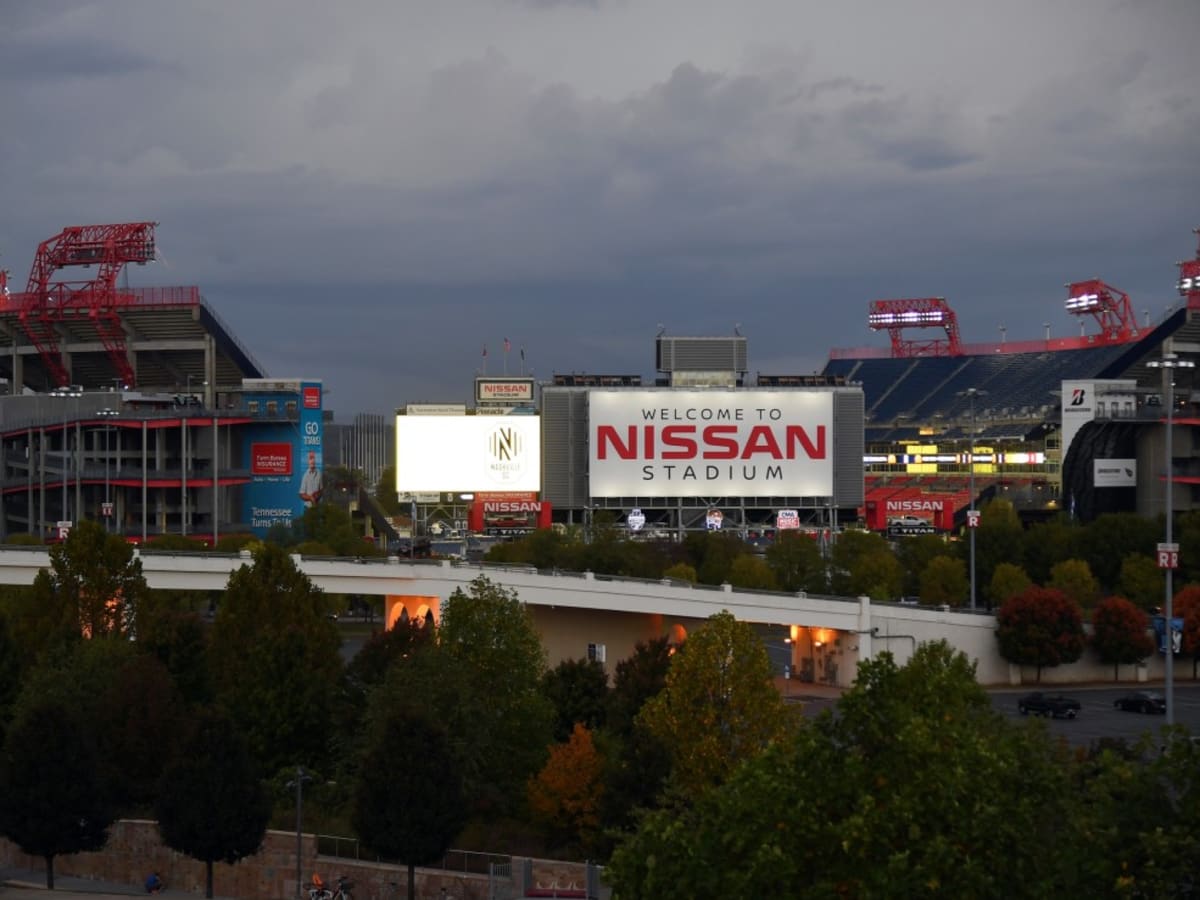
point(415, 181)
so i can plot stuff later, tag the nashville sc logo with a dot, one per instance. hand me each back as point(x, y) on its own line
point(506, 455)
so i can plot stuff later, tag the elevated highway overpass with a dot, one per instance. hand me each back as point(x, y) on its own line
point(582, 614)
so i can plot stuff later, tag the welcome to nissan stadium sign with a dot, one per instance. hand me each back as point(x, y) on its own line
point(710, 443)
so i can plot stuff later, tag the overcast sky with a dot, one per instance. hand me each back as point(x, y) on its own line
point(371, 192)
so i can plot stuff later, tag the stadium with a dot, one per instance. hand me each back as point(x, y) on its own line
point(140, 408)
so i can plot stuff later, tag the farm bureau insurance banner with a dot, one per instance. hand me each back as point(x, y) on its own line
point(710, 443)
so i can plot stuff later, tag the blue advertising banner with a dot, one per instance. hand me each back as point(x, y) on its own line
point(1160, 633)
point(283, 454)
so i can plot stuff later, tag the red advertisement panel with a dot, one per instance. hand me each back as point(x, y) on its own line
point(271, 459)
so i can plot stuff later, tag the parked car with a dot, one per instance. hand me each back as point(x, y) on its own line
point(1053, 705)
point(1142, 702)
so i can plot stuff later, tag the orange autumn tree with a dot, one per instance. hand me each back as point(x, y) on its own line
point(1186, 605)
point(564, 797)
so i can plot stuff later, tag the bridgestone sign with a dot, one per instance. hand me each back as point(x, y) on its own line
point(710, 443)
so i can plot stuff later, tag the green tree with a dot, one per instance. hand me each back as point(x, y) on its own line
point(53, 798)
point(719, 705)
point(945, 581)
point(998, 539)
point(578, 689)
point(1111, 537)
point(681, 572)
point(914, 554)
point(862, 563)
point(93, 588)
point(1120, 633)
point(917, 787)
point(1141, 580)
point(212, 804)
point(1008, 580)
point(482, 679)
point(275, 661)
point(797, 563)
point(1044, 544)
point(1074, 578)
point(1040, 627)
point(637, 678)
point(751, 573)
point(10, 673)
point(329, 524)
point(385, 491)
point(410, 812)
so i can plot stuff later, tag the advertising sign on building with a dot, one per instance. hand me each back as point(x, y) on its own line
point(504, 390)
point(285, 459)
point(714, 519)
point(787, 519)
point(1114, 473)
point(636, 520)
point(468, 453)
point(710, 443)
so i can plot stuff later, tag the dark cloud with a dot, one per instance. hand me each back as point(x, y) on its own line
point(397, 189)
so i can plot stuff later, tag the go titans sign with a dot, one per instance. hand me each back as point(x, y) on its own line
point(710, 443)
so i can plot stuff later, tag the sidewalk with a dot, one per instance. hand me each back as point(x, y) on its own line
point(27, 884)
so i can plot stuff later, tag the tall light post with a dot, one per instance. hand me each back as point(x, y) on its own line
point(1168, 552)
point(972, 512)
point(108, 430)
point(298, 783)
point(64, 393)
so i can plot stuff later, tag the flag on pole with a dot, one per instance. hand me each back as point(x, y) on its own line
point(522, 354)
point(485, 351)
point(507, 345)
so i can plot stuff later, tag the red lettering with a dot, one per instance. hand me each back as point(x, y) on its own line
point(724, 447)
point(762, 440)
point(678, 436)
point(607, 436)
point(813, 451)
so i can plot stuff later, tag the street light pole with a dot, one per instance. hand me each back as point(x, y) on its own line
point(972, 514)
point(1168, 364)
point(108, 430)
point(298, 783)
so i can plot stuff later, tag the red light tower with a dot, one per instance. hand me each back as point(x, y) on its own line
point(1109, 306)
point(1189, 278)
point(46, 303)
point(897, 315)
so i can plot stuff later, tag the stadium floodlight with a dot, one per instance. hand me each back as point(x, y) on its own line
point(1083, 301)
point(1168, 364)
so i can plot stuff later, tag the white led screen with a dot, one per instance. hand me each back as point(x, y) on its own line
point(468, 453)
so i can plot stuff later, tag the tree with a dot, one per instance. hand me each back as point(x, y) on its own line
point(1008, 580)
point(797, 562)
point(578, 688)
point(998, 539)
point(93, 588)
point(1044, 544)
point(1120, 633)
point(410, 811)
point(945, 581)
point(915, 553)
point(10, 674)
point(1040, 627)
point(52, 794)
point(565, 795)
point(862, 563)
point(1186, 605)
point(275, 661)
point(923, 791)
point(482, 679)
point(1111, 537)
point(212, 804)
point(385, 491)
point(1141, 580)
point(752, 573)
point(1074, 578)
point(681, 572)
point(638, 677)
point(719, 705)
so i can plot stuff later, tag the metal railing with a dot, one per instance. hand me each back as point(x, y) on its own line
point(469, 862)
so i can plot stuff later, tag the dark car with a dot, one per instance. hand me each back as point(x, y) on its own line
point(1141, 701)
point(1052, 705)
